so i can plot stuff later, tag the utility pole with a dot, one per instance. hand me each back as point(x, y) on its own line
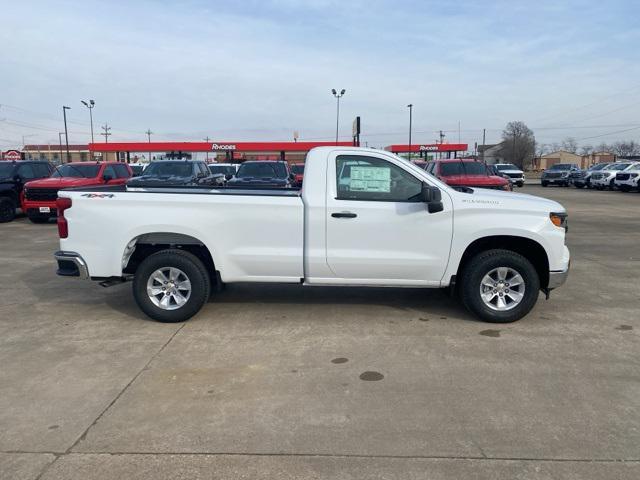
point(337, 95)
point(410, 106)
point(106, 132)
point(442, 135)
point(484, 134)
point(66, 132)
point(149, 133)
point(206, 139)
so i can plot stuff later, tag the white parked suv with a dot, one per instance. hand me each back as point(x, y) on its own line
point(514, 173)
point(363, 217)
point(627, 180)
point(606, 177)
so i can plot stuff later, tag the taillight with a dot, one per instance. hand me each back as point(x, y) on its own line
point(61, 205)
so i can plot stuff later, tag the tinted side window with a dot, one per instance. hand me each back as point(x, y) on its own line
point(369, 178)
point(109, 171)
point(122, 171)
point(42, 170)
point(27, 172)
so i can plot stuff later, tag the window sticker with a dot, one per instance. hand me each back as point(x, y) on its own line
point(370, 179)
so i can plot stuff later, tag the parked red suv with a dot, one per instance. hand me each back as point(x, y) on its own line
point(459, 172)
point(39, 199)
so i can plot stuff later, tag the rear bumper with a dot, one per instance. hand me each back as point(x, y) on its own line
point(71, 264)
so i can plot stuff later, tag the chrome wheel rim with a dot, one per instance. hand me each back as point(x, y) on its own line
point(169, 288)
point(502, 289)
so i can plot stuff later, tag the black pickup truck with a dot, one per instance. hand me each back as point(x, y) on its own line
point(176, 173)
point(263, 174)
point(13, 176)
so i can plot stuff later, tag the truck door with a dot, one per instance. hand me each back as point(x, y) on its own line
point(378, 229)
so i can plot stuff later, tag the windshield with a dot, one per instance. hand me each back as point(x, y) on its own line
point(262, 170)
point(562, 166)
point(224, 169)
point(297, 169)
point(507, 166)
point(617, 166)
point(6, 169)
point(462, 168)
point(171, 169)
point(598, 166)
point(76, 171)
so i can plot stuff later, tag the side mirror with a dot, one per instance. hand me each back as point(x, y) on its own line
point(106, 177)
point(17, 178)
point(228, 176)
point(432, 196)
point(292, 176)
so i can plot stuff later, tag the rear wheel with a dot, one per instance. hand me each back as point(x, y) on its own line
point(499, 286)
point(171, 285)
point(7, 210)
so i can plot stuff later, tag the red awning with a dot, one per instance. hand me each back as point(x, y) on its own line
point(433, 147)
point(211, 146)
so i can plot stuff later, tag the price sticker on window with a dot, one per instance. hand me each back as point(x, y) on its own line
point(370, 179)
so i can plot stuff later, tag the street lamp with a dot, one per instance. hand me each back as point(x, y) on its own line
point(90, 106)
point(410, 120)
point(60, 142)
point(66, 132)
point(337, 95)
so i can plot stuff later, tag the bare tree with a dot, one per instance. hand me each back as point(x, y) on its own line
point(518, 144)
point(569, 144)
point(626, 148)
point(603, 147)
point(586, 150)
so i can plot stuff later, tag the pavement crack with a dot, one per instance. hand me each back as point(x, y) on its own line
point(117, 397)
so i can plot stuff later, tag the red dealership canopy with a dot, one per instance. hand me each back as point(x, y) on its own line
point(211, 146)
point(433, 147)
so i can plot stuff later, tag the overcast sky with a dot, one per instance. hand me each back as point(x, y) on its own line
point(245, 70)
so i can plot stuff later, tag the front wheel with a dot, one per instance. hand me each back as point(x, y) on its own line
point(499, 286)
point(171, 285)
point(544, 184)
point(7, 210)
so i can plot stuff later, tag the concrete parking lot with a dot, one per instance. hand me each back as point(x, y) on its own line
point(292, 382)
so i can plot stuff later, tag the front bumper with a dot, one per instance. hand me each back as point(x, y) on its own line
point(44, 209)
point(71, 264)
point(601, 182)
point(631, 183)
point(561, 180)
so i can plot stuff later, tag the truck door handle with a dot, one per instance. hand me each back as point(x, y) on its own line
point(344, 215)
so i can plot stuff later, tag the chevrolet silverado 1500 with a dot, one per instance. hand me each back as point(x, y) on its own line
point(363, 217)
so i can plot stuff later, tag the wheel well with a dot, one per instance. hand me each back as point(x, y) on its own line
point(150, 243)
point(530, 249)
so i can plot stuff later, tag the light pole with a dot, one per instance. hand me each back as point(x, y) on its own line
point(90, 106)
point(410, 121)
point(60, 141)
point(337, 95)
point(66, 132)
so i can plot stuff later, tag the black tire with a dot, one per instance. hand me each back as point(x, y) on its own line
point(578, 185)
point(612, 185)
point(481, 265)
point(193, 269)
point(544, 184)
point(39, 219)
point(7, 210)
point(624, 188)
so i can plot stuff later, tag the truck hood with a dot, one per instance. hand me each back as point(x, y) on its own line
point(511, 200)
point(257, 181)
point(63, 182)
point(160, 181)
point(474, 180)
point(512, 172)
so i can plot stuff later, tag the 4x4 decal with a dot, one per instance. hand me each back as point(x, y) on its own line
point(98, 195)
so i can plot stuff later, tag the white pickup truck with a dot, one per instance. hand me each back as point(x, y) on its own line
point(363, 217)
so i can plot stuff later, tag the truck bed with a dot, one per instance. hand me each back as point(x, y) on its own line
point(265, 192)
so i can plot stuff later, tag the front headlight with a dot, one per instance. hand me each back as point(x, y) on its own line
point(559, 219)
point(565, 174)
point(633, 175)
